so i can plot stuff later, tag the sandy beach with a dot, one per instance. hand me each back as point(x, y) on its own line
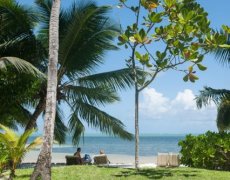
point(31, 157)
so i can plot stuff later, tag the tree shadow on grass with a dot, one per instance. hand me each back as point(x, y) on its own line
point(156, 173)
point(23, 176)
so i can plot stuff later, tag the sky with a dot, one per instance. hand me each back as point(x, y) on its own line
point(167, 106)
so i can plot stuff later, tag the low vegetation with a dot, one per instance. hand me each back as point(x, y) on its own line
point(93, 172)
point(210, 151)
point(13, 148)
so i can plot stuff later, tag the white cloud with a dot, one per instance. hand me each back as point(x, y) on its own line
point(153, 102)
point(154, 105)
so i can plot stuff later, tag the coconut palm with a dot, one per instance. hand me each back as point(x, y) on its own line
point(16, 146)
point(220, 97)
point(43, 165)
point(85, 35)
point(18, 42)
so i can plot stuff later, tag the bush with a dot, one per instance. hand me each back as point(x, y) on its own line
point(210, 151)
point(3, 158)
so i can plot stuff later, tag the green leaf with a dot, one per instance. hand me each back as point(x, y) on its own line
point(190, 69)
point(192, 77)
point(142, 34)
point(226, 29)
point(201, 67)
point(185, 78)
point(158, 53)
point(155, 17)
point(169, 3)
point(225, 46)
point(137, 38)
point(138, 55)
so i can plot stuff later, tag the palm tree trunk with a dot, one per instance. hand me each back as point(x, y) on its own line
point(38, 110)
point(43, 165)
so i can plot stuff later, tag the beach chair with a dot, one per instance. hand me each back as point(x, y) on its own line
point(168, 159)
point(174, 159)
point(72, 160)
point(101, 160)
point(162, 159)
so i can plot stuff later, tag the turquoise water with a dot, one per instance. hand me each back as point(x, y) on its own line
point(149, 145)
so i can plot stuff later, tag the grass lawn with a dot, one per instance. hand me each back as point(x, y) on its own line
point(100, 173)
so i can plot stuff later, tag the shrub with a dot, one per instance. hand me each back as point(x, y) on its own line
point(3, 157)
point(210, 150)
point(14, 147)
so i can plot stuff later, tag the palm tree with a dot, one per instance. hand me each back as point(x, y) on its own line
point(43, 165)
point(220, 97)
point(85, 34)
point(17, 42)
point(90, 33)
point(16, 146)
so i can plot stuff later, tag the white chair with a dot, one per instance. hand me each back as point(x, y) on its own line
point(168, 160)
point(162, 159)
point(174, 160)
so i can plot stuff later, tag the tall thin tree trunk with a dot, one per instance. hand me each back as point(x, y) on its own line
point(136, 127)
point(136, 109)
point(38, 110)
point(43, 165)
point(136, 94)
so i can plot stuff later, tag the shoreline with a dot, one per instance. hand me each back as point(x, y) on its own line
point(31, 157)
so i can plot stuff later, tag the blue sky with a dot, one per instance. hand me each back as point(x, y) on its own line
point(167, 105)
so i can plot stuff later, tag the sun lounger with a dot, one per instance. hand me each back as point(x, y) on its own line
point(72, 160)
point(162, 159)
point(168, 159)
point(174, 160)
point(101, 160)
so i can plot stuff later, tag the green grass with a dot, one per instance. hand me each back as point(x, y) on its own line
point(101, 173)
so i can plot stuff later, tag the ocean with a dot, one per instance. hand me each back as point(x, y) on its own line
point(149, 145)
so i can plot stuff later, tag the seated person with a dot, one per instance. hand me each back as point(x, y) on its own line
point(102, 151)
point(77, 154)
point(102, 158)
point(80, 160)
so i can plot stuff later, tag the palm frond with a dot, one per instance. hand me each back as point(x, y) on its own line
point(100, 120)
point(76, 128)
point(95, 96)
point(17, 16)
point(20, 65)
point(34, 144)
point(85, 27)
point(209, 94)
point(44, 9)
point(8, 121)
point(8, 133)
point(17, 38)
point(24, 137)
point(223, 54)
point(117, 80)
point(85, 34)
point(13, 115)
point(15, 145)
point(60, 128)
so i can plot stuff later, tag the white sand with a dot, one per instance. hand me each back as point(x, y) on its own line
point(146, 161)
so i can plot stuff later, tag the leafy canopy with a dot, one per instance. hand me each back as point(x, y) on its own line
point(170, 34)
